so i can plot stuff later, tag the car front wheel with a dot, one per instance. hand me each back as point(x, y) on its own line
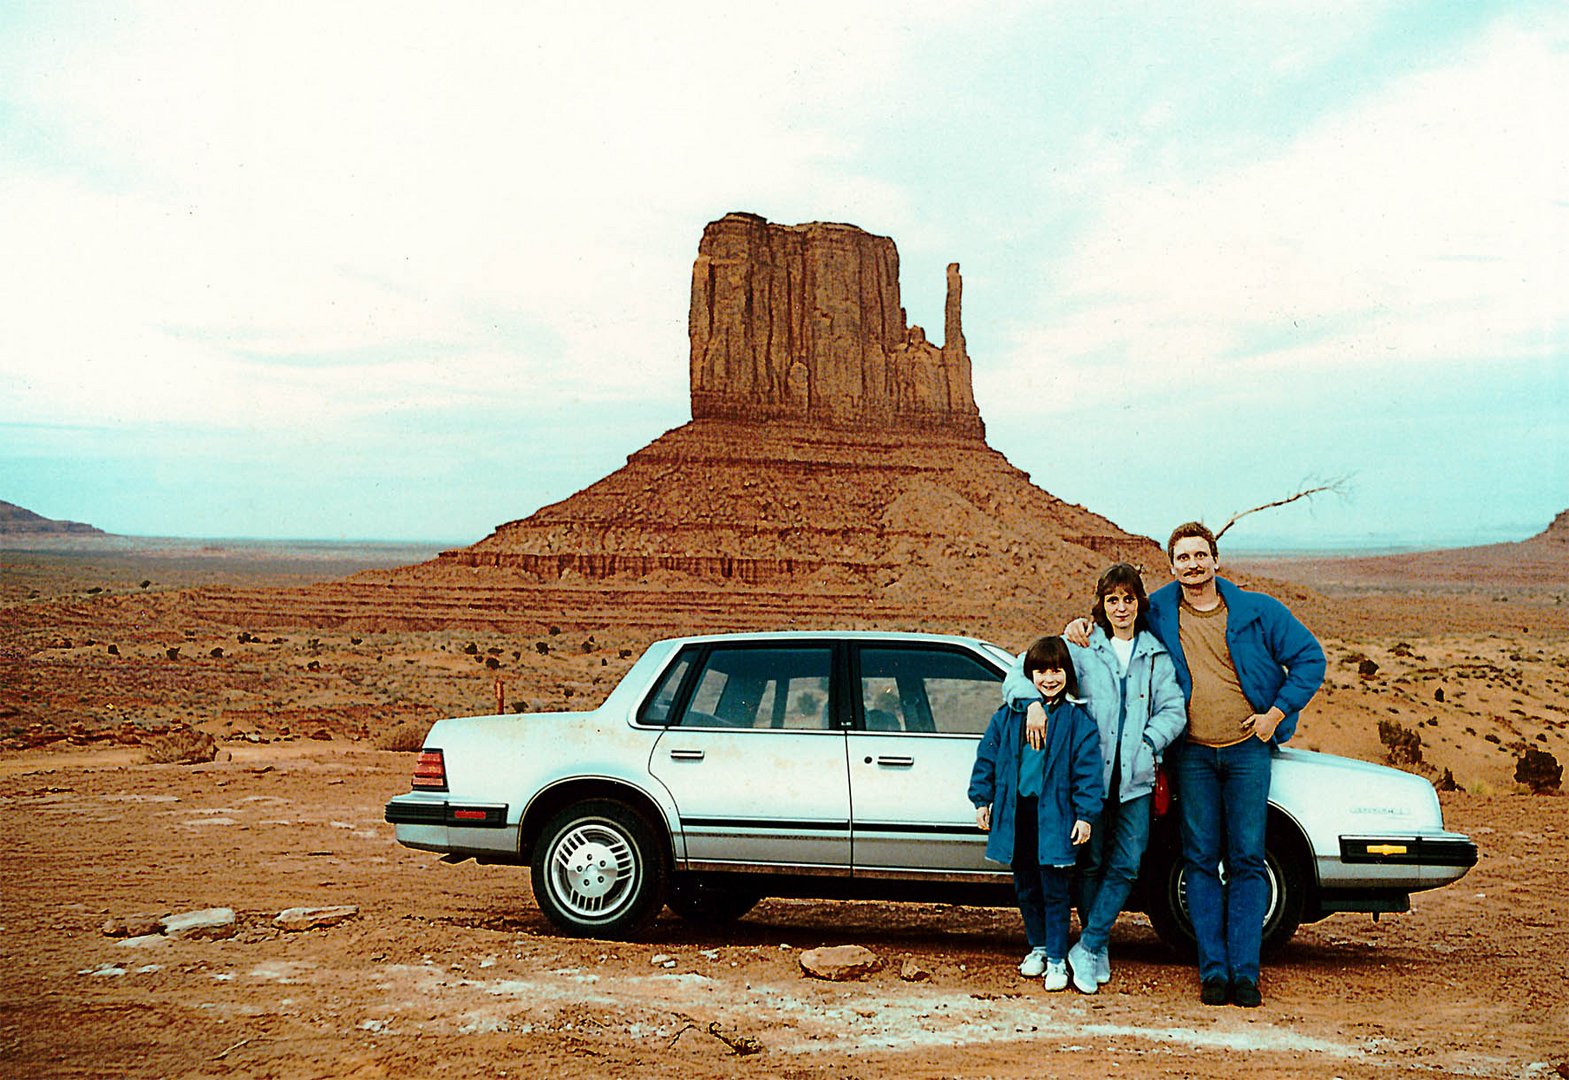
point(598, 870)
point(1282, 913)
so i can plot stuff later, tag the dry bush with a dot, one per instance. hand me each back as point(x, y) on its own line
point(1539, 771)
point(405, 735)
point(181, 748)
point(1402, 746)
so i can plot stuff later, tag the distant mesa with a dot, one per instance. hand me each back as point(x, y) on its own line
point(18, 521)
point(1556, 533)
point(831, 443)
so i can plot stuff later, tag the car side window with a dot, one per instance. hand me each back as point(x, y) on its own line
point(783, 688)
point(926, 691)
point(657, 708)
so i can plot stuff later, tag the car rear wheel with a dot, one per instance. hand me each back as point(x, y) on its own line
point(701, 899)
point(1282, 915)
point(598, 870)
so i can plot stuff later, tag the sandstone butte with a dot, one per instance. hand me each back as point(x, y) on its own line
point(835, 468)
point(835, 473)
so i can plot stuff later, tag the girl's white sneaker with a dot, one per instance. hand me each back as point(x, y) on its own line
point(1056, 975)
point(1034, 964)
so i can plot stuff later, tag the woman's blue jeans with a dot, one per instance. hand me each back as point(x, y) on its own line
point(1110, 866)
point(1042, 890)
point(1224, 800)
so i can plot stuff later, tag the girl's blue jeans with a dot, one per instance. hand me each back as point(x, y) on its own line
point(1042, 890)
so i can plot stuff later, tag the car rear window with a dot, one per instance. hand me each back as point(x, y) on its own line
point(780, 688)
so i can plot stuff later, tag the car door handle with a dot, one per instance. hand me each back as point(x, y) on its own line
point(687, 755)
point(895, 761)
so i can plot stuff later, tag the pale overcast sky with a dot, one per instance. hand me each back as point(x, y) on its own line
point(407, 271)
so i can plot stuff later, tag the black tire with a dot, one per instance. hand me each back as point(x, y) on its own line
point(599, 870)
point(701, 899)
point(1168, 909)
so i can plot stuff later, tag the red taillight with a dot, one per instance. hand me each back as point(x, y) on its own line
point(430, 771)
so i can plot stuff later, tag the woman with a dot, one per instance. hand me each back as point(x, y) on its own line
point(1130, 689)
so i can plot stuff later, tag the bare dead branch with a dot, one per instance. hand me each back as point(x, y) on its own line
point(1336, 485)
point(739, 1044)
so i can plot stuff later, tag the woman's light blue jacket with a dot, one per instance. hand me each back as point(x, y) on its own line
point(1157, 709)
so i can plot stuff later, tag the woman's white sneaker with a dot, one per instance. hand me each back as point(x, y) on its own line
point(1083, 962)
point(1056, 975)
point(1034, 964)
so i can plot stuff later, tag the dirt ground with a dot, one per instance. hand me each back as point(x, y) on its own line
point(451, 970)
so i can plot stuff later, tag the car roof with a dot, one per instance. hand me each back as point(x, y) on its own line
point(832, 635)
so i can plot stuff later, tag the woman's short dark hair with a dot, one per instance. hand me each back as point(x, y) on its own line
point(1120, 576)
point(1051, 652)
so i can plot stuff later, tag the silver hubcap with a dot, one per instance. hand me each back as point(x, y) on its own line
point(593, 870)
point(1271, 875)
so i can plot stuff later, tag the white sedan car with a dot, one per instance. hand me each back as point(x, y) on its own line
point(726, 768)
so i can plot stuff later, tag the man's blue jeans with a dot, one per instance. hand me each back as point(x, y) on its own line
point(1042, 890)
point(1224, 799)
point(1110, 866)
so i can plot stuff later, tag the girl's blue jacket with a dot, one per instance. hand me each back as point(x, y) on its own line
point(1071, 792)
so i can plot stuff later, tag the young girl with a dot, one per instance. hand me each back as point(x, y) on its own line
point(1131, 690)
point(1037, 802)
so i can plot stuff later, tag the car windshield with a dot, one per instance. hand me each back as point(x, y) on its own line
point(998, 653)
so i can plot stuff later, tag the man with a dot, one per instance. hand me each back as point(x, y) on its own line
point(1247, 667)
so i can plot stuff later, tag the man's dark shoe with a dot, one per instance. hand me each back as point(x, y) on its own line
point(1244, 992)
point(1216, 991)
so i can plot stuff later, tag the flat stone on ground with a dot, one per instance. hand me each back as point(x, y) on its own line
point(217, 922)
point(310, 918)
point(840, 963)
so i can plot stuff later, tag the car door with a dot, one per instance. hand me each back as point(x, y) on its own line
point(920, 712)
point(754, 756)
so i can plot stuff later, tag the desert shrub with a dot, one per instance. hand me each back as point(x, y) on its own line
point(1539, 771)
point(1402, 746)
point(404, 736)
point(181, 748)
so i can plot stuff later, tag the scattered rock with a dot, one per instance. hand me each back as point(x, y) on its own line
point(211, 923)
point(910, 971)
point(840, 963)
point(137, 925)
point(143, 941)
point(103, 969)
point(310, 918)
point(1367, 668)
